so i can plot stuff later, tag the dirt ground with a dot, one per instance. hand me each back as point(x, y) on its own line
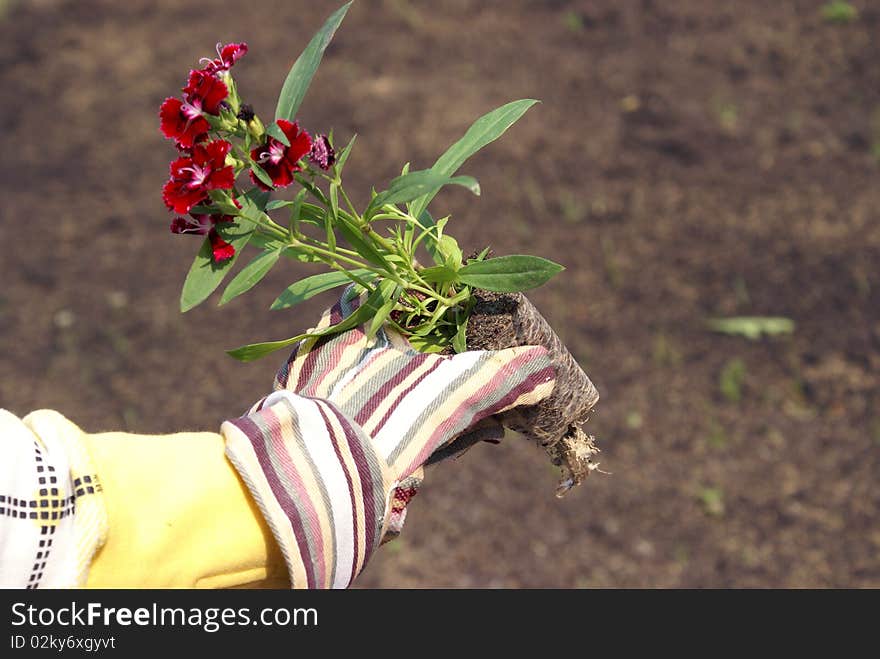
point(690, 160)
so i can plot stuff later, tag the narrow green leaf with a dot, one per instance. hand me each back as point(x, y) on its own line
point(317, 193)
point(363, 313)
point(328, 229)
point(364, 247)
point(343, 155)
point(300, 77)
point(274, 130)
point(508, 274)
point(259, 198)
point(305, 212)
point(265, 242)
point(254, 351)
point(204, 275)
point(482, 255)
point(416, 184)
point(383, 312)
point(459, 341)
point(334, 199)
point(484, 130)
point(300, 253)
point(261, 174)
point(296, 212)
point(250, 275)
point(312, 286)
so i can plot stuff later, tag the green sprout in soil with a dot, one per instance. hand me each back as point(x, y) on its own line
point(731, 380)
point(752, 327)
point(839, 11)
point(712, 500)
point(372, 249)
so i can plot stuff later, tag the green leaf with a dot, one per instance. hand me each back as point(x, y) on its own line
point(265, 242)
point(343, 155)
point(306, 212)
point(296, 212)
point(250, 275)
point(204, 275)
point(416, 184)
point(363, 313)
point(261, 174)
point(450, 252)
point(328, 228)
point(459, 341)
point(300, 77)
point(312, 286)
point(383, 312)
point(484, 130)
point(364, 247)
point(274, 130)
point(427, 344)
point(508, 274)
point(752, 327)
point(439, 274)
point(259, 198)
point(300, 253)
point(334, 199)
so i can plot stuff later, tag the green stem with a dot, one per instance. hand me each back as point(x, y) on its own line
point(346, 199)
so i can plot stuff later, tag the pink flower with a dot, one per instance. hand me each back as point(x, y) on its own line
point(228, 56)
point(193, 177)
point(322, 154)
point(279, 161)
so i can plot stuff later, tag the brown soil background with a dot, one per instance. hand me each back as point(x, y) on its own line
point(690, 159)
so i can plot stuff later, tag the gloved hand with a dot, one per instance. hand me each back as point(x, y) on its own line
point(335, 453)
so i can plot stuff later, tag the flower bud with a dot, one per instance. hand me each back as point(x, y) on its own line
point(254, 126)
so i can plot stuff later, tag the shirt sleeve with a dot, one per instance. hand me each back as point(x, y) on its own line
point(52, 514)
point(135, 511)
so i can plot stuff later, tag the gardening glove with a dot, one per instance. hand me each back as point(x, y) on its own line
point(338, 447)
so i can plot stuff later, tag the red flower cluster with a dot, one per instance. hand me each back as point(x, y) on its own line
point(202, 166)
point(192, 177)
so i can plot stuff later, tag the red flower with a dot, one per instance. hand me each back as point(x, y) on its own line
point(183, 120)
point(228, 56)
point(279, 161)
point(192, 177)
point(220, 249)
point(206, 224)
point(205, 91)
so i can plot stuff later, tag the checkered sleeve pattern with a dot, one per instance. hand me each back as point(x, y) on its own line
point(52, 517)
point(336, 452)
